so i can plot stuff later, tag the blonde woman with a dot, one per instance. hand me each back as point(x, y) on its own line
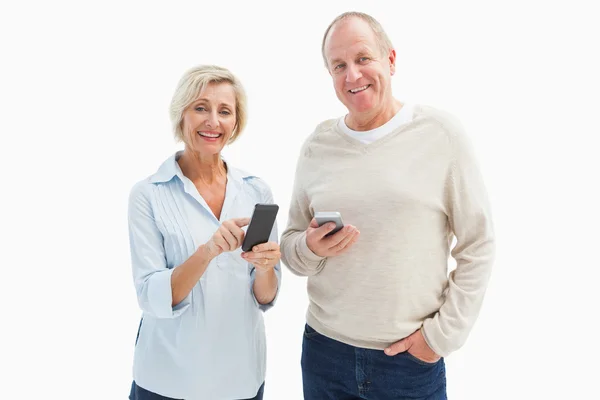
point(202, 332)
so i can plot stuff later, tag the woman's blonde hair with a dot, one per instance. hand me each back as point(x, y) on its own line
point(192, 83)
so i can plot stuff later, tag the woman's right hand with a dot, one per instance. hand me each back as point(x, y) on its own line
point(228, 237)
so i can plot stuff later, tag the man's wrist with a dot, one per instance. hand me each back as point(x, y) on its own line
point(305, 252)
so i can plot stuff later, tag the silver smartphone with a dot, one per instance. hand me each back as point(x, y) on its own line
point(323, 217)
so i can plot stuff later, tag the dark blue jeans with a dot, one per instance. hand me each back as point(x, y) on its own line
point(139, 393)
point(332, 370)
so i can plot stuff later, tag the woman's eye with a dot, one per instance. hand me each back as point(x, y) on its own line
point(225, 112)
point(200, 109)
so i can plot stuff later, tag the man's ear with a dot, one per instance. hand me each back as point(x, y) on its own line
point(392, 61)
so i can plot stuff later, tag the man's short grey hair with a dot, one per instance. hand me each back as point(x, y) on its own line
point(384, 42)
point(192, 83)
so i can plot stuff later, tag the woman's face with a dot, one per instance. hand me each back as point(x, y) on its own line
point(209, 121)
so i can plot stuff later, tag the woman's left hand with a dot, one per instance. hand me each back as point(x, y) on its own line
point(263, 256)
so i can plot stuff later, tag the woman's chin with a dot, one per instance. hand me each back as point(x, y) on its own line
point(208, 149)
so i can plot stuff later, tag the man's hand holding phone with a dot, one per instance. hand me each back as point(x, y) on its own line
point(333, 245)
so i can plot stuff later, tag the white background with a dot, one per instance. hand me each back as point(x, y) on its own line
point(84, 93)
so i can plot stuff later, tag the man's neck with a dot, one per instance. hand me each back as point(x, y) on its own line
point(374, 118)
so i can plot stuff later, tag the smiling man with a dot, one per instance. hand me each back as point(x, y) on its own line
point(383, 310)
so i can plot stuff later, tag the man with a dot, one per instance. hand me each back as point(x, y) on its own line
point(383, 310)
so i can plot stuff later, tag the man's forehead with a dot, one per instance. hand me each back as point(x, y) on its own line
point(353, 35)
point(361, 46)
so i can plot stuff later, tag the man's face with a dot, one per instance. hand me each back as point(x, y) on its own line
point(361, 73)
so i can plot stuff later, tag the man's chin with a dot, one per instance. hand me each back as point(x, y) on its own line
point(360, 108)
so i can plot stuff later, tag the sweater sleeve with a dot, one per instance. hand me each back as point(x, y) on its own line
point(295, 253)
point(470, 219)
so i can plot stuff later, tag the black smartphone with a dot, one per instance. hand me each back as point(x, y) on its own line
point(261, 225)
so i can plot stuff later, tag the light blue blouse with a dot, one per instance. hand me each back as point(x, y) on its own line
point(212, 345)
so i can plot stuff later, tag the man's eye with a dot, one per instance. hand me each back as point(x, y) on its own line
point(339, 66)
point(363, 59)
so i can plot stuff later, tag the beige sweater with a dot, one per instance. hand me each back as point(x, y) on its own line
point(409, 193)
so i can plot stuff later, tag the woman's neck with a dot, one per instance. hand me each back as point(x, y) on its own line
point(202, 169)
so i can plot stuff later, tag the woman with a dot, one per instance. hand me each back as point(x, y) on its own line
point(202, 332)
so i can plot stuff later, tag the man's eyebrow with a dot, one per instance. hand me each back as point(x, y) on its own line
point(361, 53)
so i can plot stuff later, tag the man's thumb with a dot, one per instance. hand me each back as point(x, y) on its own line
point(398, 347)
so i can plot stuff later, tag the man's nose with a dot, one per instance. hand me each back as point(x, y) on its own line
point(353, 73)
